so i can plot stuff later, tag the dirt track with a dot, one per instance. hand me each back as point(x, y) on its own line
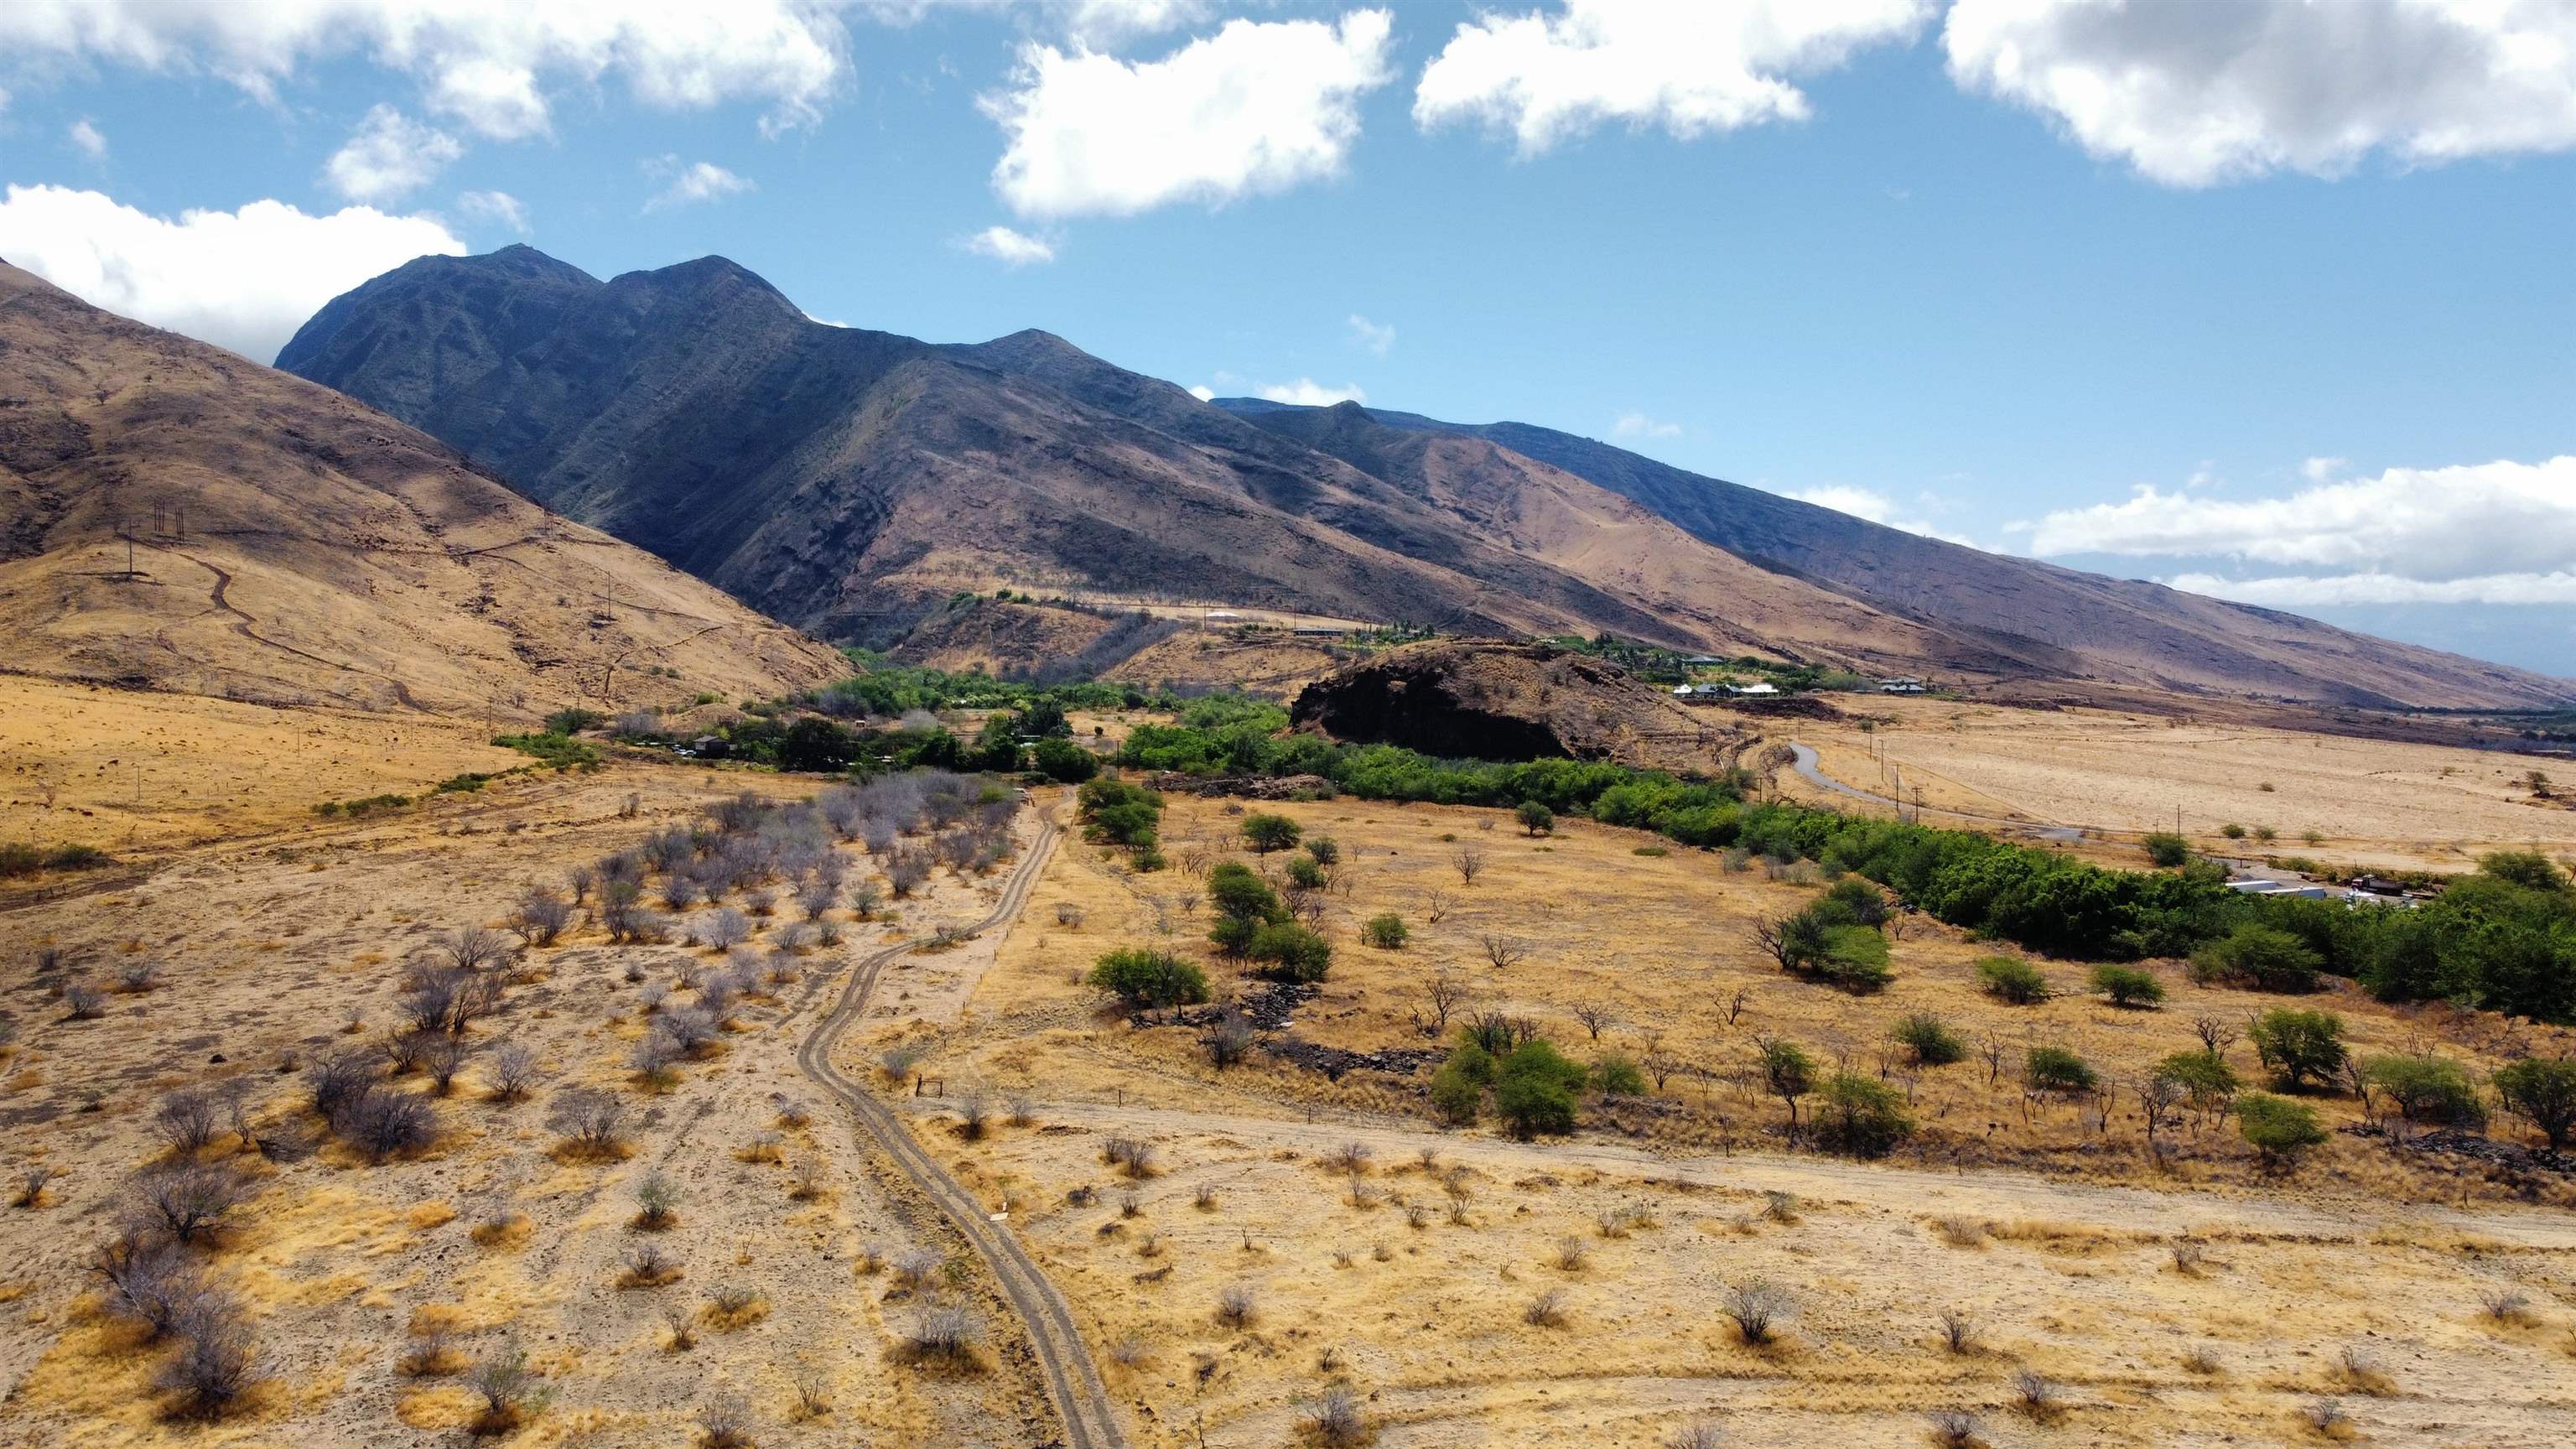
point(1073, 1380)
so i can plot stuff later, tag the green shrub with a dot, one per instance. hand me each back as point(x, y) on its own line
point(1649, 850)
point(1386, 931)
point(1928, 1040)
point(2128, 985)
point(2232, 831)
point(1853, 902)
point(1861, 1115)
point(1289, 952)
point(2204, 1076)
point(2526, 868)
point(2261, 957)
point(2281, 1130)
point(2165, 848)
point(1143, 977)
point(553, 748)
point(2543, 1092)
point(1618, 1076)
point(1535, 818)
point(2010, 978)
point(573, 721)
point(1305, 872)
point(1534, 1089)
point(465, 784)
point(1114, 812)
point(2055, 1069)
point(2300, 1048)
point(18, 859)
point(1325, 849)
point(1266, 832)
point(1458, 1088)
point(1063, 761)
point(2426, 1089)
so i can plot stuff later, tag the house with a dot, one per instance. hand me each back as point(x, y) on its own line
point(1700, 661)
point(2300, 889)
point(1763, 688)
point(1901, 684)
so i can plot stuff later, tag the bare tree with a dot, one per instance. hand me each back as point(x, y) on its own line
point(472, 948)
point(191, 1200)
point(1735, 1004)
point(1469, 862)
point(2159, 1106)
point(1503, 951)
point(216, 1363)
point(1771, 935)
point(2216, 1036)
point(1595, 1017)
point(514, 1071)
point(540, 916)
point(1435, 906)
point(1444, 994)
point(187, 1120)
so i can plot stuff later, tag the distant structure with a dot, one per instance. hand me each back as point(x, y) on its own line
point(1763, 688)
point(1901, 684)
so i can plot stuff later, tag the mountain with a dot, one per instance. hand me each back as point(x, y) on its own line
point(287, 544)
point(848, 480)
point(2047, 621)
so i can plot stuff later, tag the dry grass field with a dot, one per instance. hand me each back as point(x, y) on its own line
point(374, 1290)
point(1466, 1289)
point(2200, 1300)
point(2371, 803)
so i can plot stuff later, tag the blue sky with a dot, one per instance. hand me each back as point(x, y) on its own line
point(1987, 270)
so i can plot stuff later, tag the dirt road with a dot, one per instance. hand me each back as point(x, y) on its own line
point(1985, 1193)
point(1073, 1380)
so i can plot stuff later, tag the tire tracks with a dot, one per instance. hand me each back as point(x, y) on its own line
point(1073, 1380)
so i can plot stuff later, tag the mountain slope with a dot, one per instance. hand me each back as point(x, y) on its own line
point(841, 478)
point(288, 544)
point(847, 480)
point(2048, 621)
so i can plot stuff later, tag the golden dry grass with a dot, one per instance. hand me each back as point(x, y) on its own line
point(2057, 1238)
point(2375, 803)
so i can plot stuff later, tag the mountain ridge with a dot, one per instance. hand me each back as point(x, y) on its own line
point(845, 479)
point(184, 519)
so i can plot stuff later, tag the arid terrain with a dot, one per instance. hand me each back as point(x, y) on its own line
point(1462, 1287)
point(2371, 803)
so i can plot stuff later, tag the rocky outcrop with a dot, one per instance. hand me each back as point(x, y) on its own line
point(1488, 701)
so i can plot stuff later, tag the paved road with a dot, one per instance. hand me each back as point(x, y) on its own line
point(1073, 1380)
point(1805, 764)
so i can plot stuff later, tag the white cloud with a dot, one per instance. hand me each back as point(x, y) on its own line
point(240, 279)
point(2195, 95)
point(389, 156)
point(498, 206)
point(1876, 507)
point(1092, 24)
point(1010, 248)
point(1306, 392)
point(2320, 470)
point(1691, 68)
point(1203, 392)
point(1638, 425)
point(488, 63)
point(2431, 524)
point(689, 182)
point(2300, 591)
point(87, 138)
point(1377, 337)
point(1254, 108)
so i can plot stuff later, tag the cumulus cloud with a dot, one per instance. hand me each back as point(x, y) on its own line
point(1010, 248)
point(2432, 524)
point(686, 183)
point(1638, 425)
point(487, 63)
point(498, 206)
point(2195, 95)
point(241, 279)
point(1093, 24)
point(1377, 337)
point(1252, 109)
point(1203, 392)
point(1692, 69)
point(1876, 507)
point(389, 157)
point(87, 138)
point(1306, 392)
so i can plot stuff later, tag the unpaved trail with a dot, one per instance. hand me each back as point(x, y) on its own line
point(1073, 1380)
point(1982, 1193)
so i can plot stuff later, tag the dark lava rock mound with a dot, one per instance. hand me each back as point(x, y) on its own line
point(1487, 701)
